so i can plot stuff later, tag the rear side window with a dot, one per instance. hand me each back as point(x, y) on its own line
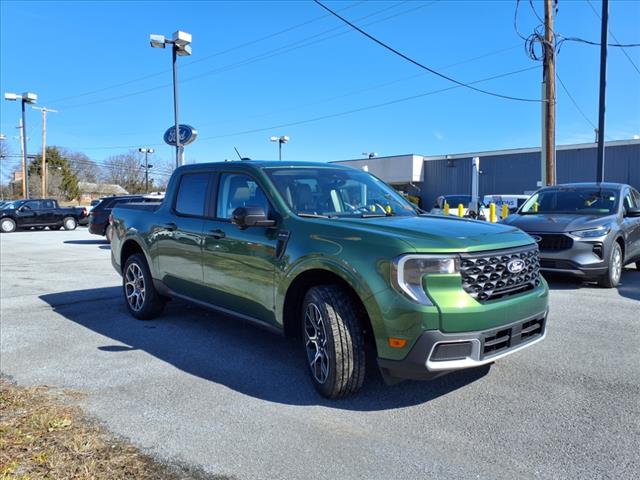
point(192, 194)
point(47, 204)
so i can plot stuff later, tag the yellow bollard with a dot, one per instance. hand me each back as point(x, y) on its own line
point(460, 210)
point(446, 208)
point(505, 211)
point(492, 212)
point(535, 207)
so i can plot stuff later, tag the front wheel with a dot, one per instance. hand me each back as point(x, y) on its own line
point(69, 223)
point(611, 279)
point(142, 299)
point(333, 341)
point(7, 225)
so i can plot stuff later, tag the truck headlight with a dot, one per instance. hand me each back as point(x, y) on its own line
point(592, 232)
point(407, 272)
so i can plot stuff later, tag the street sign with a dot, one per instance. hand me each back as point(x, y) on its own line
point(188, 135)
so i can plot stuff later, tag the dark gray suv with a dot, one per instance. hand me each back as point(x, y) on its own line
point(590, 230)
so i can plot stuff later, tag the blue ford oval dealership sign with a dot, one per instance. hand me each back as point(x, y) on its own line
point(188, 135)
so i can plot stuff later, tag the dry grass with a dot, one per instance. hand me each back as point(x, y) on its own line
point(44, 436)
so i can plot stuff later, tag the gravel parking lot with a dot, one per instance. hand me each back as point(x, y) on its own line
point(212, 392)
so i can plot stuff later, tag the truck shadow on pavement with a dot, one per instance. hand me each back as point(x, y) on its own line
point(227, 351)
point(629, 283)
point(87, 242)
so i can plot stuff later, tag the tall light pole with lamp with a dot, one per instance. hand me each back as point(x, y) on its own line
point(26, 97)
point(181, 47)
point(146, 152)
point(280, 140)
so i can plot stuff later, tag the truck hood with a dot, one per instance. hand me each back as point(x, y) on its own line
point(557, 223)
point(432, 233)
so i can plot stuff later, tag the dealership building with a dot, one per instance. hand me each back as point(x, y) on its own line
point(514, 171)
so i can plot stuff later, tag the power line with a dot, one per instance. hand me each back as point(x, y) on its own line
point(614, 37)
point(418, 64)
point(575, 104)
point(368, 107)
point(263, 56)
point(338, 114)
point(207, 57)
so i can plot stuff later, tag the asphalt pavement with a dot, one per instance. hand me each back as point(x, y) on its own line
point(209, 391)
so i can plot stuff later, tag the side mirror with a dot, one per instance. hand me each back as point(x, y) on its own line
point(251, 216)
point(632, 212)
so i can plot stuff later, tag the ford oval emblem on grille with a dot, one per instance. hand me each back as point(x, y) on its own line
point(537, 238)
point(516, 265)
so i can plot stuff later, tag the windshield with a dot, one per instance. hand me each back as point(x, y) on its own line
point(12, 205)
point(336, 192)
point(588, 201)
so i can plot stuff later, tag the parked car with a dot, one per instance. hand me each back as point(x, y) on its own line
point(37, 213)
point(590, 230)
point(335, 256)
point(99, 214)
point(513, 202)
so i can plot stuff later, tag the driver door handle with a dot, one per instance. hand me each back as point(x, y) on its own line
point(217, 234)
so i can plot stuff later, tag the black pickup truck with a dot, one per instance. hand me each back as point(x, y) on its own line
point(38, 213)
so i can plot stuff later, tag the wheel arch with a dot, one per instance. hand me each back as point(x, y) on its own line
point(293, 299)
point(129, 247)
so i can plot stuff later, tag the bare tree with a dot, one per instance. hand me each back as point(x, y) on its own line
point(85, 169)
point(125, 170)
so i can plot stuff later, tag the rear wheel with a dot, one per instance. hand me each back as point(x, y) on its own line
point(69, 223)
point(7, 225)
point(333, 341)
point(141, 297)
point(611, 279)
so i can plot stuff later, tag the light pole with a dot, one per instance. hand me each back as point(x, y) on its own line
point(26, 97)
point(280, 140)
point(370, 154)
point(146, 152)
point(181, 46)
point(44, 146)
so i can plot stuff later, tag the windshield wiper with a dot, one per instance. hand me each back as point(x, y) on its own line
point(372, 215)
point(314, 215)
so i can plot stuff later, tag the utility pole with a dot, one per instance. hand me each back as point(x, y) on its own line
point(43, 174)
point(548, 176)
point(603, 81)
point(23, 155)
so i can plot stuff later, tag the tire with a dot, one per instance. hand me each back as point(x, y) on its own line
point(108, 233)
point(140, 295)
point(7, 225)
point(69, 223)
point(614, 271)
point(333, 341)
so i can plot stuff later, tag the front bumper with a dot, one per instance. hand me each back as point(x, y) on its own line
point(584, 257)
point(436, 353)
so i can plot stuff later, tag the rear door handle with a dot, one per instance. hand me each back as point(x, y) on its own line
point(171, 226)
point(217, 234)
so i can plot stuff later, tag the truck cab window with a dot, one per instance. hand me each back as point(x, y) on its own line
point(238, 190)
point(192, 193)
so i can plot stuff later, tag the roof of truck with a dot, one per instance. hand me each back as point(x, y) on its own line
point(266, 164)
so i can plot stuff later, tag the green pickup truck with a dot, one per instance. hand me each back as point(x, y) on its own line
point(334, 256)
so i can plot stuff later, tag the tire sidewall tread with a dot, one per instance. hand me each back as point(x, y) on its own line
point(345, 340)
point(153, 302)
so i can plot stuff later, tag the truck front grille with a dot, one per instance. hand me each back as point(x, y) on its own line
point(486, 275)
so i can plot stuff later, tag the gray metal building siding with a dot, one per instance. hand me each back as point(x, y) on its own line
point(519, 172)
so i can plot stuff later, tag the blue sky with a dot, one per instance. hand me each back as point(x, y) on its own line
point(245, 76)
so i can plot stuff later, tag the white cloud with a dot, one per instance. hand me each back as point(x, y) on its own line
point(438, 135)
